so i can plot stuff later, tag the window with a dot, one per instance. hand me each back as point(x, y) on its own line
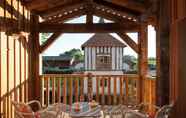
point(103, 62)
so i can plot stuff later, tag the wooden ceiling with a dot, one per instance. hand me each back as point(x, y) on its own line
point(58, 11)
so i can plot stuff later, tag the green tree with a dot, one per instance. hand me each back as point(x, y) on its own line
point(44, 37)
point(76, 53)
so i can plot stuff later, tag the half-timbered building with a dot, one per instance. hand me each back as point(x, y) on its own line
point(21, 21)
point(103, 54)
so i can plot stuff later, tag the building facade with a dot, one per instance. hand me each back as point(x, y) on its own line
point(103, 54)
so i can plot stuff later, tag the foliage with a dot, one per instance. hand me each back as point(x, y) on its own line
point(129, 58)
point(44, 37)
point(76, 53)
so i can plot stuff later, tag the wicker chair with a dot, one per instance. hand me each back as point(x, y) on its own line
point(64, 109)
point(23, 110)
point(113, 111)
point(163, 112)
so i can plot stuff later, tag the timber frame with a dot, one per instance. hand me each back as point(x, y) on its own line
point(21, 21)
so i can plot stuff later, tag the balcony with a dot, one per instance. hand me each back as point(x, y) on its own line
point(70, 88)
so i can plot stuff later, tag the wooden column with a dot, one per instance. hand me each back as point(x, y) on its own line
point(163, 55)
point(178, 57)
point(143, 56)
point(34, 92)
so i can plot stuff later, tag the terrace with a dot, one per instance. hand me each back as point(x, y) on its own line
point(21, 21)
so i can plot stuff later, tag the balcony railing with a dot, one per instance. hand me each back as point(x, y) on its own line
point(105, 89)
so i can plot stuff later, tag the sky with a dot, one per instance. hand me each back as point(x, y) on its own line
point(69, 41)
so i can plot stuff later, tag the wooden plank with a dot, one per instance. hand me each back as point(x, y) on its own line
point(49, 41)
point(127, 90)
point(20, 70)
point(53, 90)
point(89, 10)
point(180, 103)
point(82, 90)
point(76, 89)
point(114, 16)
point(115, 90)
point(70, 91)
point(60, 8)
point(109, 90)
point(8, 74)
point(88, 28)
point(47, 90)
point(138, 90)
point(118, 8)
point(58, 90)
point(121, 90)
point(103, 91)
point(0, 69)
point(33, 4)
point(5, 5)
point(64, 90)
point(90, 89)
point(66, 16)
point(130, 4)
point(129, 41)
point(25, 79)
point(43, 90)
point(97, 89)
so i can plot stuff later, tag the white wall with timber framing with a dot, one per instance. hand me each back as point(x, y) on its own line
point(115, 54)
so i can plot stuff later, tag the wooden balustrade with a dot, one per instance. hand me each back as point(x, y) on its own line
point(105, 89)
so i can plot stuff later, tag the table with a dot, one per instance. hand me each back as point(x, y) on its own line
point(86, 111)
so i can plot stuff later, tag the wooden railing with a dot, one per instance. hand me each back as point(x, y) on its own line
point(112, 90)
point(105, 89)
point(19, 93)
point(149, 92)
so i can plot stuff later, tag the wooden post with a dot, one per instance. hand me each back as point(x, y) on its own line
point(143, 57)
point(90, 91)
point(163, 56)
point(34, 92)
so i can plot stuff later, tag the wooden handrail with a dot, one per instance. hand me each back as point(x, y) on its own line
point(83, 86)
point(87, 75)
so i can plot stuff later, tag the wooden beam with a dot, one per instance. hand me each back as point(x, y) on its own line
point(89, 9)
point(88, 28)
point(65, 17)
point(10, 26)
point(5, 5)
point(117, 7)
point(49, 42)
point(34, 4)
point(130, 4)
point(115, 18)
point(129, 41)
point(61, 8)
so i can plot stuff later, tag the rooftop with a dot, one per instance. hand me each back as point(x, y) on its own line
point(58, 58)
point(103, 39)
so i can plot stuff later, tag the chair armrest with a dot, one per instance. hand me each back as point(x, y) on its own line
point(25, 114)
point(141, 115)
point(35, 101)
point(148, 104)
